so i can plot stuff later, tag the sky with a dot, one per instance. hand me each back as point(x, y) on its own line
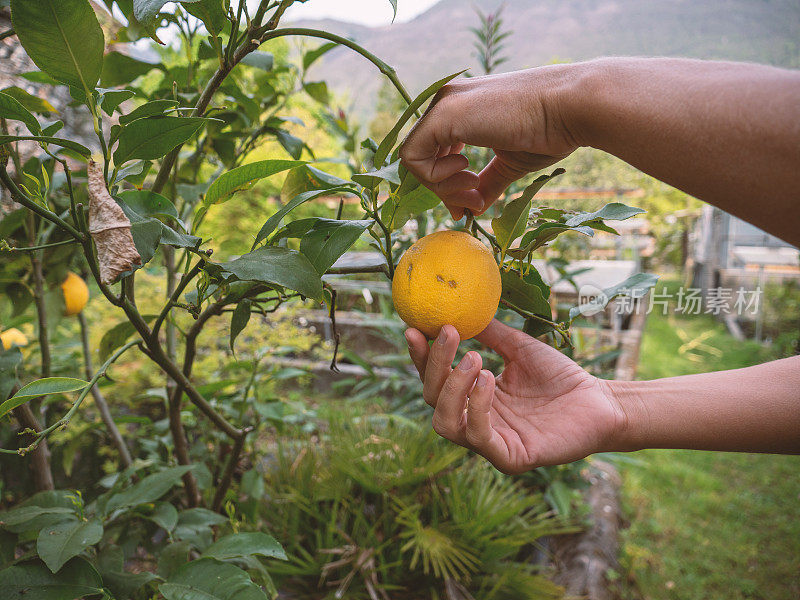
point(364, 12)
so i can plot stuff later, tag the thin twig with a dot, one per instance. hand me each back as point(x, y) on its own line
point(99, 399)
point(63, 421)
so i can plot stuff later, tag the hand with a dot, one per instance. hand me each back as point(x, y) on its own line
point(521, 116)
point(542, 410)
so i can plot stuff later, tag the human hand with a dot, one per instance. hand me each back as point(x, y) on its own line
point(542, 410)
point(521, 116)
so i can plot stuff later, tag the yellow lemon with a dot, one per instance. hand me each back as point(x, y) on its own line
point(76, 294)
point(448, 277)
point(13, 337)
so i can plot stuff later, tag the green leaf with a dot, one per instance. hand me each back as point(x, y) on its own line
point(135, 172)
point(371, 179)
point(154, 137)
point(121, 69)
point(29, 101)
point(546, 232)
point(110, 100)
point(399, 208)
point(291, 143)
point(278, 266)
point(210, 579)
point(56, 544)
point(152, 108)
point(310, 57)
point(26, 518)
point(63, 38)
point(318, 90)
point(9, 361)
point(524, 294)
point(512, 222)
point(616, 211)
point(146, 11)
point(530, 191)
point(162, 514)
point(385, 147)
point(210, 12)
point(635, 285)
point(10, 108)
point(239, 319)
point(172, 557)
point(260, 60)
point(275, 219)
point(244, 177)
point(149, 489)
point(394, 9)
point(305, 178)
point(328, 239)
point(111, 564)
point(146, 203)
point(149, 232)
point(42, 387)
point(42, 139)
point(118, 335)
point(41, 510)
point(77, 579)
point(236, 545)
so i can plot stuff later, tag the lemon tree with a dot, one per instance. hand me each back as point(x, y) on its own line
point(173, 141)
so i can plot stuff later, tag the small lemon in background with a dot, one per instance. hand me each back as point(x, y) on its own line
point(13, 337)
point(76, 294)
point(447, 277)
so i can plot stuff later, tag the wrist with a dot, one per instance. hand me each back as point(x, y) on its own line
point(584, 99)
point(627, 399)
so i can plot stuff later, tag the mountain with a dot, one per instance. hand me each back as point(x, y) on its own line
point(438, 41)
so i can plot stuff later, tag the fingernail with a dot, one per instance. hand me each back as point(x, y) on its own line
point(466, 363)
point(481, 381)
point(442, 339)
point(408, 339)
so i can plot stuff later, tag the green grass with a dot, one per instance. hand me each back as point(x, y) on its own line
point(708, 525)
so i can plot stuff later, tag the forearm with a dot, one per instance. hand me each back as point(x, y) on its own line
point(727, 133)
point(756, 409)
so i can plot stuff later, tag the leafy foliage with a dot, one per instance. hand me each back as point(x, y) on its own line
point(379, 508)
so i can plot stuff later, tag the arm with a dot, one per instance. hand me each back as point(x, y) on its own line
point(544, 409)
point(756, 409)
point(728, 133)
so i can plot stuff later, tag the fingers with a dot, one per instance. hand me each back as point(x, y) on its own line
point(506, 341)
point(495, 178)
point(440, 357)
point(478, 432)
point(418, 349)
point(448, 416)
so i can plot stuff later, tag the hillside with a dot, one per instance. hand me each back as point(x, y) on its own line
point(438, 41)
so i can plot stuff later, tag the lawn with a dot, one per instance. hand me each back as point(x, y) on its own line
point(708, 525)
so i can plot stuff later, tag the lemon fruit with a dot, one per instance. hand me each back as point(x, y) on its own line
point(447, 277)
point(76, 294)
point(13, 337)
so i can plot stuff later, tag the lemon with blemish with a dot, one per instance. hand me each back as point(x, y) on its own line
point(447, 277)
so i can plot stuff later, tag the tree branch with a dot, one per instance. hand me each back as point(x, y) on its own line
point(22, 199)
point(230, 467)
point(99, 399)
